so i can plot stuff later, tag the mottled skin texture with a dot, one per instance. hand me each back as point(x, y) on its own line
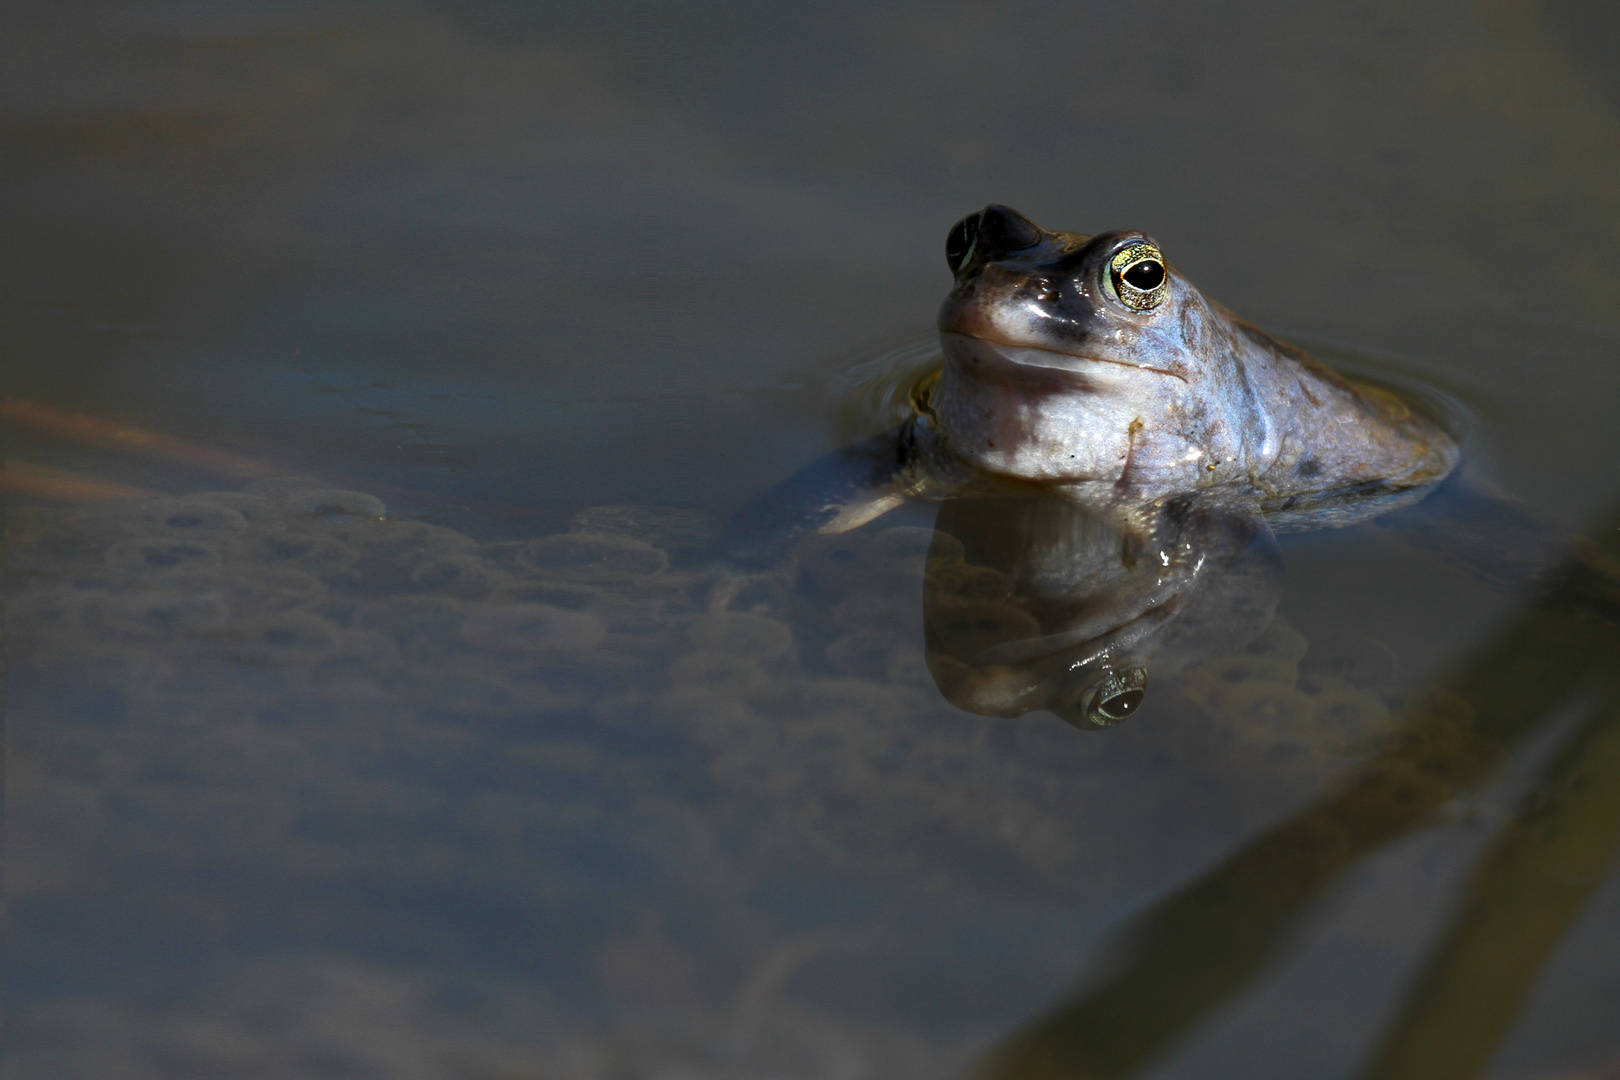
point(1051, 377)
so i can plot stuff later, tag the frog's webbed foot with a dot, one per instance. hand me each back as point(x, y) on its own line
point(862, 510)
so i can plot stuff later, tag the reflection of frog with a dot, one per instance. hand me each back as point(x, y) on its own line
point(1032, 603)
point(1050, 608)
point(1088, 365)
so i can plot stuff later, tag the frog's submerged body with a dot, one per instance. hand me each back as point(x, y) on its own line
point(1089, 366)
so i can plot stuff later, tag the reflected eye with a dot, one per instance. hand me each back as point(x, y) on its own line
point(1121, 706)
point(1139, 277)
point(1116, 698)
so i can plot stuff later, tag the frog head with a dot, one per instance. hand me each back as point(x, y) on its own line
point(1082, 360)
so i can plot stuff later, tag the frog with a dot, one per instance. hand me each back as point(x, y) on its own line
point(1088, 371)
point(1090, 367)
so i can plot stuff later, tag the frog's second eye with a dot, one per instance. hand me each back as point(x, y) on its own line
point(959, 244)
point(1116, 698)
point(1139, 277)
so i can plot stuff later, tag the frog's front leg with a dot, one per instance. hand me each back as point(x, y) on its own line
point(841, 491)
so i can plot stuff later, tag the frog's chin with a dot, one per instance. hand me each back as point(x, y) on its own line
point(1047, 416)
point(973, 351)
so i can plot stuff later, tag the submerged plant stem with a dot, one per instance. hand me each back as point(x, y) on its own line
point(1530, 886)
point(1205, 944)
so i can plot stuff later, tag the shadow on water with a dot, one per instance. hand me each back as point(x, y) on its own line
point(477, 785)
point(1209, 941)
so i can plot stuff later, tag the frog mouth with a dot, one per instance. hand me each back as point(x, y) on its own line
point(1089, 641)
point(982, 347)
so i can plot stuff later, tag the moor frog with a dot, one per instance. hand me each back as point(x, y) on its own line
point(1085, 372)
point(1089, 366)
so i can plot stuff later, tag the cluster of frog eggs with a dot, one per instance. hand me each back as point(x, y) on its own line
point(289, 607)
point(809, 700)
point(320, 581)
point(320, 586)
point(288, 1017)
point(1297, 699)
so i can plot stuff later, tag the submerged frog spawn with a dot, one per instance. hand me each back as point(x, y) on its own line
point(1091, 364)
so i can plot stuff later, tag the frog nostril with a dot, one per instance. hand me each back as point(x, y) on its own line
point(1044, 289)
point(1003, 229)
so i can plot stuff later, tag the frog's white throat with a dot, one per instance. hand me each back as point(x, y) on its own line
point(1045, 415)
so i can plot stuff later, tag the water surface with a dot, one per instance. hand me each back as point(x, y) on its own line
point(483, 789)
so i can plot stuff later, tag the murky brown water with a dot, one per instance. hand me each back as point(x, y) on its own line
point(483, 789)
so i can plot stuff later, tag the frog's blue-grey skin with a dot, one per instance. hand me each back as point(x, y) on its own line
point(1090, 366)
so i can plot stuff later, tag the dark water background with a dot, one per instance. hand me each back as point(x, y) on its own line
point(316, 811)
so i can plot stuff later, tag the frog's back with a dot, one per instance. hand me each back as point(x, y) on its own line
point(1336, 451)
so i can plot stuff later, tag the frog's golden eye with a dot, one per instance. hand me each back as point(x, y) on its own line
point(1139, 277)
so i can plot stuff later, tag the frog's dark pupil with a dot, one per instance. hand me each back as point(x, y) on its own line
point(960, 241)
point(1120, 706)
point(1146, 275)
